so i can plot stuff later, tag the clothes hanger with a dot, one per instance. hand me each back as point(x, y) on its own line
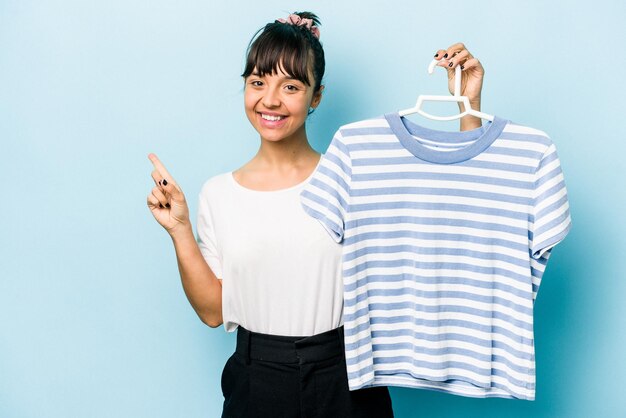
point(454, 98)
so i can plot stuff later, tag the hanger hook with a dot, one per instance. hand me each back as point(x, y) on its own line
point(457, 76)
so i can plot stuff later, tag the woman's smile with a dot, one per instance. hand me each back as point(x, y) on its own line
point(271, 120)
point(269, 117)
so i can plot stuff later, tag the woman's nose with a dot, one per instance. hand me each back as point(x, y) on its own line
point(271, 98)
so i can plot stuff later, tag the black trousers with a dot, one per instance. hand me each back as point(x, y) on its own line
point(277, 376)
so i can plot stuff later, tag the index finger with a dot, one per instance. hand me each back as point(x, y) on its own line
point(158, 165)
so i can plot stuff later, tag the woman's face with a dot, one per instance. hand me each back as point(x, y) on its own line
point(277, 105)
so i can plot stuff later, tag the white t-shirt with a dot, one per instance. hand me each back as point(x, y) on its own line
point(280, 271)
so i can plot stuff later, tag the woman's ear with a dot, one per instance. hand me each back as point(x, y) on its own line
point(317, 97)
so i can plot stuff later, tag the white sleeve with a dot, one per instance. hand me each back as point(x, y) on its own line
point(206, 234)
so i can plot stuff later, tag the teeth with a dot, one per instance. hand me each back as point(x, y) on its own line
point(270, 117)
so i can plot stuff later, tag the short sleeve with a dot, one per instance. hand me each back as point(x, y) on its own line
point(206, 235)
point(550, 221)
point(326, 196)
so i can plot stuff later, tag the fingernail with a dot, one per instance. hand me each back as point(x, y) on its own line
point(451, 64)
point(446, 56)
point(167, 205)
point(436, 55)
point(164, 182)
point(161, 206)
point(462, 67)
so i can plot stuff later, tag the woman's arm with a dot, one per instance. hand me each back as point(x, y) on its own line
point(169, 207)
point(203, 289)
point(472, 74)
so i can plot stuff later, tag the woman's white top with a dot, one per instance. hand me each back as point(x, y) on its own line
point(280, 269)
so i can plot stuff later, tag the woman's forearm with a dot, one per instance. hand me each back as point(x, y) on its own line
point(202, 287)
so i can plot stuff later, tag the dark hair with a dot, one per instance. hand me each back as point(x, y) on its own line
point(291, 48)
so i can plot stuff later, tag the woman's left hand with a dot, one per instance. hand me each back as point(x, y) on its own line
point(472, 71)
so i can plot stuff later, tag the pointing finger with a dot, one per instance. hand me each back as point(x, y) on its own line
point(158, 165)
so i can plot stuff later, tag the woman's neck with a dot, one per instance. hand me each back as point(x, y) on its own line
point(284, 153)
point(278, 164)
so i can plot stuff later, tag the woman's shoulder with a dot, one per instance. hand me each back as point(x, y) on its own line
point(216, 184)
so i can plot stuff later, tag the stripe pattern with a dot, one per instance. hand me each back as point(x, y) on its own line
point(441, 261)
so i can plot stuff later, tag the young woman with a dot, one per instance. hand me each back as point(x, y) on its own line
point(260, 264)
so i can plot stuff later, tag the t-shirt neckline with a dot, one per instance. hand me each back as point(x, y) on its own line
point(483, 137)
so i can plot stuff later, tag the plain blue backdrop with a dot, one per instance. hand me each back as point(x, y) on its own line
point(93, 319)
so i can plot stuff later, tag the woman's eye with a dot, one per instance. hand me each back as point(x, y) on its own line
point(256, 83)
point(292, 88)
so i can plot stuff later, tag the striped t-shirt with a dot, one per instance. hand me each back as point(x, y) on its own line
point(446, 236)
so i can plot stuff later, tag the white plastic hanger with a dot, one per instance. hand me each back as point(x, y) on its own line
point(455, 98)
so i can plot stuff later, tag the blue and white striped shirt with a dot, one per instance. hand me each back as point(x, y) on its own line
point(446, 236)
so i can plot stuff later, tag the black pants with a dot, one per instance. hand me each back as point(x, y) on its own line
point(277, 376)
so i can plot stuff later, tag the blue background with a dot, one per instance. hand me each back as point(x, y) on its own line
point(93, 319)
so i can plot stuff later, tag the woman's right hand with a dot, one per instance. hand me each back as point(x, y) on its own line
point(167, 201)
point(472, 73)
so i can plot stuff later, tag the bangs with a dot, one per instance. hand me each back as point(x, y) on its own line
point(280, 48)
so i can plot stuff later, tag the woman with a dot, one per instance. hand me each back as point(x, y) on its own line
point(260, 264)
